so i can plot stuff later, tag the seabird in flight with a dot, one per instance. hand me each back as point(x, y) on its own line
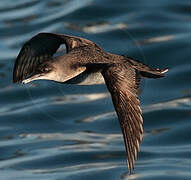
point(86, 63)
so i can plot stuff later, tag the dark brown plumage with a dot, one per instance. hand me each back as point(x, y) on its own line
point(87, 63)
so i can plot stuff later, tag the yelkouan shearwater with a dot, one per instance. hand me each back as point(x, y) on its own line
point(86, 63)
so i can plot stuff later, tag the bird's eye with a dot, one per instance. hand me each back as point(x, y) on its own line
point(43, 69)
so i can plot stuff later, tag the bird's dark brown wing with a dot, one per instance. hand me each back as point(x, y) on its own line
point(34, 52)
point(122, 82)
point(41, 48)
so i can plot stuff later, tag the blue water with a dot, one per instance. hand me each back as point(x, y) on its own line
point(50, 131)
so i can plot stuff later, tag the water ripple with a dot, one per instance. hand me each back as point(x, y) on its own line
point(51, 132)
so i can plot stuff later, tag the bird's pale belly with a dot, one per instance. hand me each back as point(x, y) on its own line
point(87, 79)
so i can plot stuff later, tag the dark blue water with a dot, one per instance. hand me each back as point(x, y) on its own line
point(50, 131)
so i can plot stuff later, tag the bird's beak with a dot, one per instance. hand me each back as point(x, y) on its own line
point(32, 78)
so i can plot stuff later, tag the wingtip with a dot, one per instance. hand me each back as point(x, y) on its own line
point(130, 171)
point(15, 77)
point(15, 81)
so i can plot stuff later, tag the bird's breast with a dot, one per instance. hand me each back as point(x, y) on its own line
point(87, 79)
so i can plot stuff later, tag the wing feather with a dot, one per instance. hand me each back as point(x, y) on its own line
point(122, 82)
point(29, 56)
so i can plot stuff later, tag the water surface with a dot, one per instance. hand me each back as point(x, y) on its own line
point(50, 131)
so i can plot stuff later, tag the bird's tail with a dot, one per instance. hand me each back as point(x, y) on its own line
point(146, 71)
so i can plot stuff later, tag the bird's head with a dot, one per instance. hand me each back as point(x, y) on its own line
point(60, 70)
point(44, 71)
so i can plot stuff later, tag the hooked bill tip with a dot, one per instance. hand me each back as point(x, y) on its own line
point(25, 81)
